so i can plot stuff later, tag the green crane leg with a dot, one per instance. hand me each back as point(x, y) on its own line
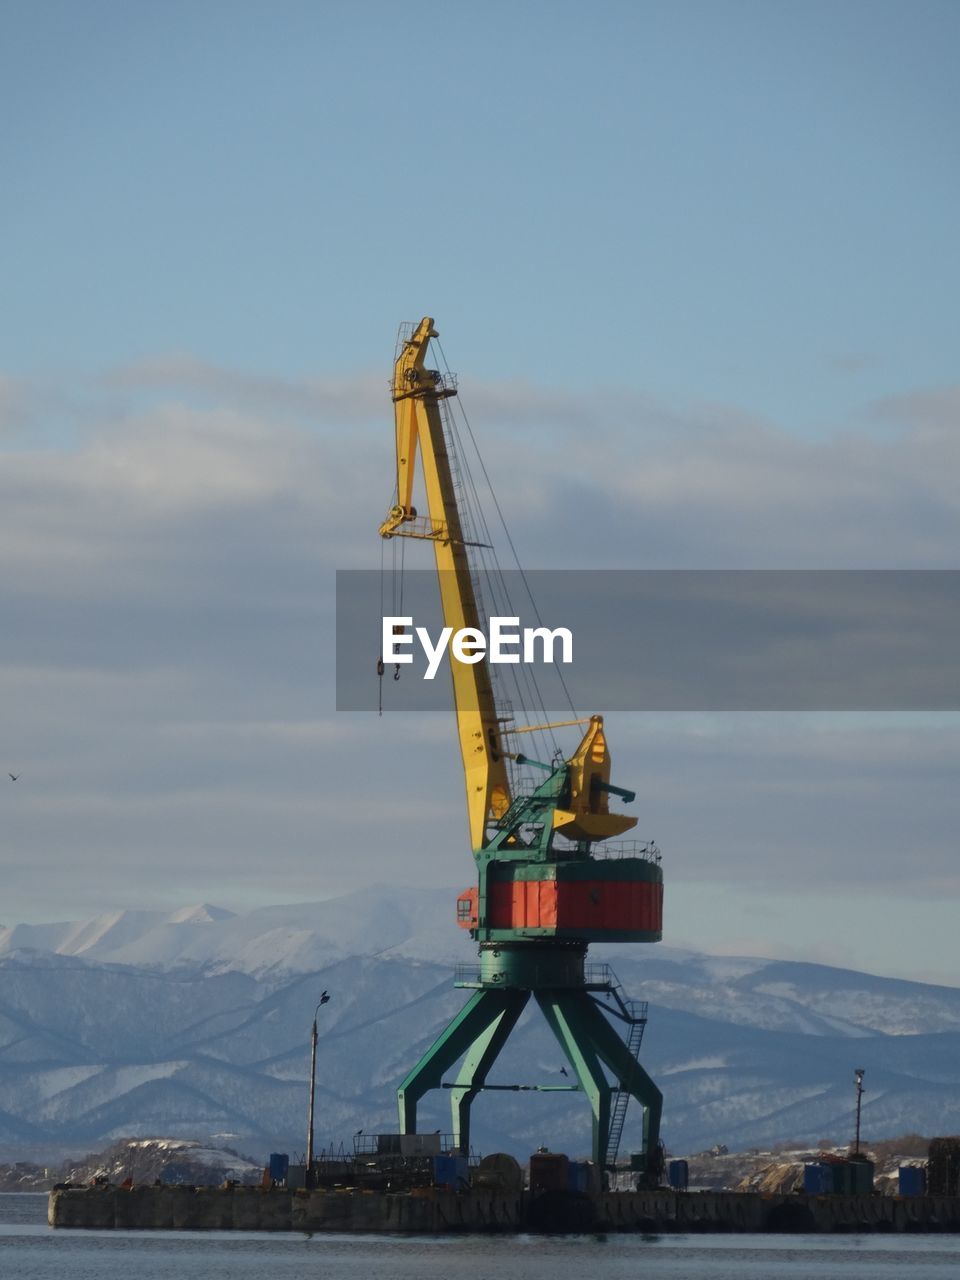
point(631, 1077)
point(474, 1030)
point(585, 1035)
point(480, 1057)
point(566, 1015)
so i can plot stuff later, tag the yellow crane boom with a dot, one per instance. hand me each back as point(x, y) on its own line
point(417, 393)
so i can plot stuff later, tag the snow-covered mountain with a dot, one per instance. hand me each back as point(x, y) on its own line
point(197, 1023)
point(290, 939)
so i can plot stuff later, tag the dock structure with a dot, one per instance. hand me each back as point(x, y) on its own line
point(178, 1208)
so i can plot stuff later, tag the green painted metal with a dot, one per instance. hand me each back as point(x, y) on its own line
point(548, 962)
point(635, 1016)
point(529, 966)
point(565, 1015)
point(588, 1039)
point(479, 1058)
point(581, 868)
point(631, 1078)
point(467, 1029)
point(525, 832)
point(517, 936)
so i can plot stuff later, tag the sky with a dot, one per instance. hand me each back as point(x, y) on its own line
point(696, 267)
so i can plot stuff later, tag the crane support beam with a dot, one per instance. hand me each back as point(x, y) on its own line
point(479, 1058)
point(577, 1021)
point(479, 1030)
point(564, 1012)
point(478, 1033)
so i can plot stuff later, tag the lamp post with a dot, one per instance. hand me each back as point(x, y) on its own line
point(858, 1076)
point(324, 997)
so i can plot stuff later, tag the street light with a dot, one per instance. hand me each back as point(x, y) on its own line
point(858, 1076)
point(324, 997)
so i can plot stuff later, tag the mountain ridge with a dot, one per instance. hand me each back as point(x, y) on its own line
point(196, 1021)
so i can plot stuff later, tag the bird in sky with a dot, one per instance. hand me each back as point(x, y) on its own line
point(563, 1071)
point(14, 777)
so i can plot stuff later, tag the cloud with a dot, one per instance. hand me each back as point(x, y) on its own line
point(9, 403)
point(168, 536)
point(20, 404)
point(695, 486)
point(712, 488)
point(864, 804)
point(322, 399)
point(850, 362)
point(928, 409)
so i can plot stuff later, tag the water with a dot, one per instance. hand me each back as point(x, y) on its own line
point(30, 1250)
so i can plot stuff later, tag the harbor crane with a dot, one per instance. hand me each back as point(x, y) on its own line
point(551, 875)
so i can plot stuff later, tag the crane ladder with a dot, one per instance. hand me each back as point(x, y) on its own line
point(634, 1014)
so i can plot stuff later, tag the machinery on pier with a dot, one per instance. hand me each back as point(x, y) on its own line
point(549, 879)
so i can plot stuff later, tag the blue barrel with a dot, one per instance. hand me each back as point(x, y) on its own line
point(678, 1174)
point(451, 1172)
point(818, 1179)
point(279, 1164)
point(912, 1180)
point(813, 1179)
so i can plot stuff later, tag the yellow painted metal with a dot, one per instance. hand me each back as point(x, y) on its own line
point(554, 724)
point(588, 815)
point(417, 392)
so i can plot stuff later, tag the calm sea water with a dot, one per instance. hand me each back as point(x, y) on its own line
point(30, 1250)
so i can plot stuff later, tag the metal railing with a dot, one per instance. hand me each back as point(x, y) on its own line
point(596, 977)
point(605, 850)
point(413, 1146)
point(427, 530)
point(647, 850)
point(421, 527)
point(634, 1014)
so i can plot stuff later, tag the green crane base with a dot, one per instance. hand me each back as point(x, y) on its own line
point(589, 1042)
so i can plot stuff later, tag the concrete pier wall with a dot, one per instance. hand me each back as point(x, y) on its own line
point(256, 1209)
point(750, 1212)
point(440, 1212)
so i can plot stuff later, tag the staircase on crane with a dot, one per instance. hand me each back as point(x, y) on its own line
point(634, 1014)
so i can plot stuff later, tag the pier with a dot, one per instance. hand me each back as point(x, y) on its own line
point(237, 1208)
